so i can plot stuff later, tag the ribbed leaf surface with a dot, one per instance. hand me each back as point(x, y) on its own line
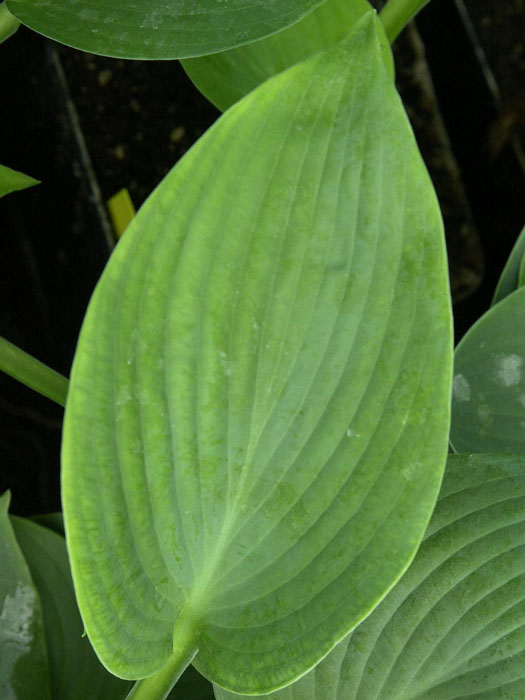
point(227, 76)
point(453, 628)
point(488, 406)
point(158, 28)
point(258, 413)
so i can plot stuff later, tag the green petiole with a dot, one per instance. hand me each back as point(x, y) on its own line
point(396, 14)
point(159, 685)
point(31, 372)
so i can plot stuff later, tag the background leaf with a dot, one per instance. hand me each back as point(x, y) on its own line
point(23, 657)
point(259, 406)
point(158, 28)
point(75, 671)
point(53, 521)
point(13, 180)
point(227, 76)
point(510, 277)
point(488, 400)
point(454, 626)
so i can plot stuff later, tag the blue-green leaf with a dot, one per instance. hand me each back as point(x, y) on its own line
point(227, 76)
point(258, 414)
point(453, 628)
point(488, 400)
point(75, 671)
point(158, 28)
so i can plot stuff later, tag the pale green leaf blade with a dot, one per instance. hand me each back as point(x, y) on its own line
point(13, 180)
point(159, 29)
point(23, 656)
point(509, 280)
point(488, 399)
point(265, 363)
point(454, 625)
point(227, 76)
point(75, 672)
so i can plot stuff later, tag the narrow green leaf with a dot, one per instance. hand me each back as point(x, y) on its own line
point(488, 399)
point(510, 277)
point(13, 180)
point(75, 671)
point(158, 28)
point(258, 414)
point(23, 656)
point(227, 76)
point(453, 628)
point(31, 372)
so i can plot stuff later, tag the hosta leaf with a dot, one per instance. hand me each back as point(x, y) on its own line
point(52, 521)
point(510, 277)
point(75, 672)
point(13, 180)
point(488, 400)
point(227, 76)
point(258, 414)
point(23, 656)
point(158, 28)
point(454, 626)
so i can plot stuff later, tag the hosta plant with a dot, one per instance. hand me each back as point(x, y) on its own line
point(258, 416)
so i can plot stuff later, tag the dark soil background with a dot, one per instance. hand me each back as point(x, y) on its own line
point(500, 27)
point(88, 126)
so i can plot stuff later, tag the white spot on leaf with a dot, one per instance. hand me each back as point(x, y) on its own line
point(508, 369)
point(350, 433)
point(460, 388)
point(17, 617)
point(484, 415)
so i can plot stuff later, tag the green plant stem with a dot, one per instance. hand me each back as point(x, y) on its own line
point(159, 685)
point(396, 14)
point(32, 372)
point(8, 23)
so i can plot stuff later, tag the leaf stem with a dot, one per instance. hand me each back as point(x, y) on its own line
point(159, 685)
point(396, 14)
point(8, 23)
point(32, 372)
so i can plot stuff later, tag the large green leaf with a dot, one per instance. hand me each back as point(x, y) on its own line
point(510, 277)
point(13, 180)
point(158, 28)
point(75, 671)
point(23, 657)
point(227, 76)
point(488, 400)
point(257, 420)
point(454, 626)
